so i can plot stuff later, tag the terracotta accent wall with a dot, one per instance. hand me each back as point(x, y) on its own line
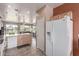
point(75, 11)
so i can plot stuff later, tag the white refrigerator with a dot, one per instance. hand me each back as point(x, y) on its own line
point(59, 35)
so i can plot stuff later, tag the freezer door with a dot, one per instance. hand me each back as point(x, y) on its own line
point(49, 43)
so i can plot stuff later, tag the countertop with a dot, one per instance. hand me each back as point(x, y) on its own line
point(18, 34)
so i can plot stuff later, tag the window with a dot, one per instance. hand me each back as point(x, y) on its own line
point(11, 29)
point(34, 29)
point(25, 28)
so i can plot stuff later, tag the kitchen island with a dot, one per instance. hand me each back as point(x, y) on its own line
point(18, 40)
point(24, 39)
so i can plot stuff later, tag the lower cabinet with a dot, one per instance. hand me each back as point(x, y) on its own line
point(24, 39)
point(11, 41)
point(18, 40)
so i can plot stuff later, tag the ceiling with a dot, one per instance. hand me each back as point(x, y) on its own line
point(25, 6)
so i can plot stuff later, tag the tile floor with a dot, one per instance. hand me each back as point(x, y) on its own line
point(29, 50)
point(24, 51)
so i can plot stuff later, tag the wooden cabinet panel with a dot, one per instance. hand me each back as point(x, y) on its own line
point(24, 39)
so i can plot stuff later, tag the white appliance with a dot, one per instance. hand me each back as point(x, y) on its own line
point(59, 35)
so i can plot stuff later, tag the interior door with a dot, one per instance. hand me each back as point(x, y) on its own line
point(40, 34)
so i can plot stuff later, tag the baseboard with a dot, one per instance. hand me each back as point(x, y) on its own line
point(23, 45)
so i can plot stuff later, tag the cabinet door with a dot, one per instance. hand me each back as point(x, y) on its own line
point(24, 39)
point(19, 40)
point(12, 42)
